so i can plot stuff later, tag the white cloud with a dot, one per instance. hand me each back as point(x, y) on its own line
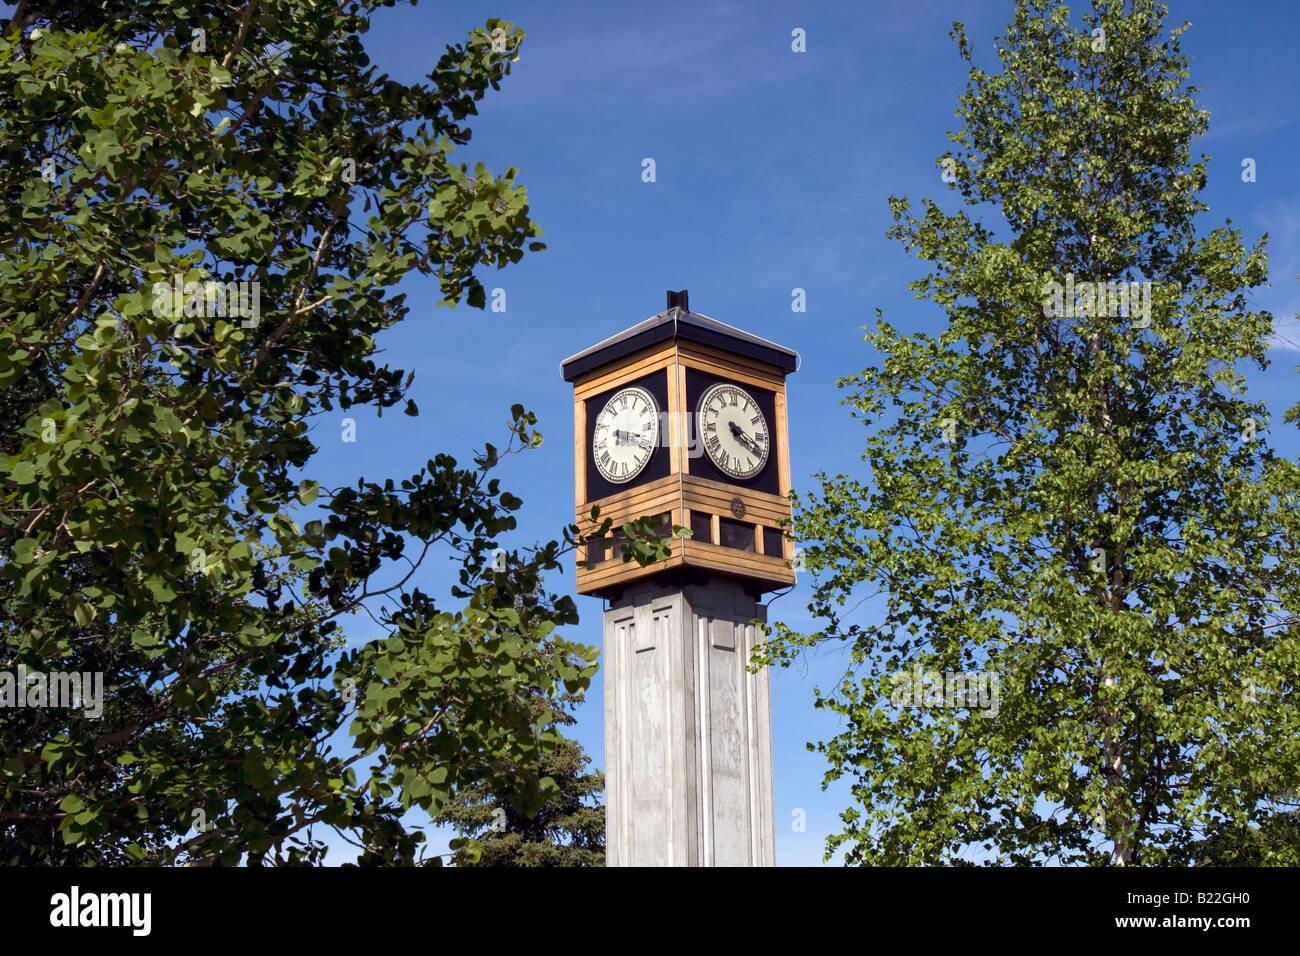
point(1281, 220)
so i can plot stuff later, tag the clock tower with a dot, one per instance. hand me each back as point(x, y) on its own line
point(683, 418)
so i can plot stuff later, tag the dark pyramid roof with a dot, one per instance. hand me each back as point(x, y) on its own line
point(678, 323)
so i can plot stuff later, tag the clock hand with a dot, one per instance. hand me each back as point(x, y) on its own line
point(630, 438)
point(740, 434)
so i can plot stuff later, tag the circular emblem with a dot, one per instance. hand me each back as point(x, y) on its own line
point(737, 507)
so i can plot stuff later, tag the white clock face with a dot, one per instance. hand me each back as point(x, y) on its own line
point(627, 431)
point(734, 431)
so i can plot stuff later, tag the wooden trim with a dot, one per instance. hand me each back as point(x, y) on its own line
point(666, 486)
point(783, 453)
point(675, 424)
point(753, 513)
point(766, 569)
point(726, 558)
point(639, 365)
point(723, 367)
point(708, 354)
point(580, 455)
point(785, 545)
point(740, 562)
point(706, 556)
point(730, 374)
point(715, 494)
point(678, 372)
point(679, 493)
point(743, 563)
point(613, 571)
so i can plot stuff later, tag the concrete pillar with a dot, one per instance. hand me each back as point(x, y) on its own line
point(688, 736)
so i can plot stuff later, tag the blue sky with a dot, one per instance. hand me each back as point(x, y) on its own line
point(773, 172)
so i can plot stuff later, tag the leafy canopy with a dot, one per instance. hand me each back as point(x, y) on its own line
point(158, 521)
point(1071, 500)
point(569, 829)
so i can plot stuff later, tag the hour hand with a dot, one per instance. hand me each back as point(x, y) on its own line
point(740, 434)
point(629, 438)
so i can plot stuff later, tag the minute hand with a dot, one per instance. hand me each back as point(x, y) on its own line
point(740, 434)
point(629, 438)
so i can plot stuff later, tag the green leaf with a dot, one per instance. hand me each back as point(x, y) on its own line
point(182, 423)
point(24, 550)
point(307, 491)
point(71, 804)
point(83, 613)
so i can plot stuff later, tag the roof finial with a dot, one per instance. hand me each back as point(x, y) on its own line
point(679, 300)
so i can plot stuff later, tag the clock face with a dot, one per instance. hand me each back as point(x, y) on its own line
point(627, 431)
point(734, 431)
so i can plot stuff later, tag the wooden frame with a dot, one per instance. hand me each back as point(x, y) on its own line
point(680, 492)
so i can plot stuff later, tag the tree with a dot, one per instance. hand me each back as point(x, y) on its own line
point(205, 207)
point(568, 830)
point(1072, 506)
point(1292, 414)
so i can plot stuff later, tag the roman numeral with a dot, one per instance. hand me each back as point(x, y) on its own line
point(604, 458)
point(735, 399)
point(622, 465)
point(710, 426)
point(756, 419)
point(714, 443)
